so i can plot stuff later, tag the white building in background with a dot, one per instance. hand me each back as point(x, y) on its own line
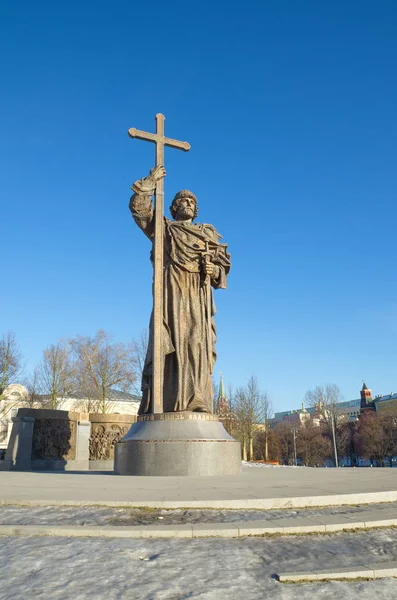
point(351, 409)
point(16, 396)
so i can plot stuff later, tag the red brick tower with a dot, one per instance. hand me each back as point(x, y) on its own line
point(366, 394)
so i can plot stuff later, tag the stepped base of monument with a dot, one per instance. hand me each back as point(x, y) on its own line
point(184, 443)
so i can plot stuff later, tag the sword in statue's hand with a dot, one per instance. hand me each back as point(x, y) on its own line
point(207, 282)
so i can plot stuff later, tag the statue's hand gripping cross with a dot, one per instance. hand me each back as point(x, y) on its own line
point(160, 141)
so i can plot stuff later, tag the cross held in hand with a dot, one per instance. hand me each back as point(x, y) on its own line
point(160, 141)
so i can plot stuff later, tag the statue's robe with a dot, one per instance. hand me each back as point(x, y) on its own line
point(189, 333)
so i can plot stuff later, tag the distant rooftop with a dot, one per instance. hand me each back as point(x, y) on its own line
point(391, 396)
point(114, 396)
point(349, 403)
point(280, 415)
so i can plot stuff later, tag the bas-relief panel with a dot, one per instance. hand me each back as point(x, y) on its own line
point(103, 438)
point(54, 439)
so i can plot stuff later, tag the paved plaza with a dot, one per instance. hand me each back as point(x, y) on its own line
point(254, 488)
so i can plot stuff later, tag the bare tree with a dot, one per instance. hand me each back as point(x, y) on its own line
point(10, 371)
point(10, 360)
point(325, 399)
point(388, 417)
point(375, 435)
point(31, 383)
point(312, 446)
point(103, 367)
point(55, 376)
point(267, 445)
point(370, 439)
point(252, 408)
point(139, 350)
point(285, 443)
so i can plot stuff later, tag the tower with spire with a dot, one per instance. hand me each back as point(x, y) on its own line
point(224, 412)
point(222, 403)
point(366, 398)
point(366, 394)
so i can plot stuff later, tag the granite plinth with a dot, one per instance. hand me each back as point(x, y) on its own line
point(177, 444)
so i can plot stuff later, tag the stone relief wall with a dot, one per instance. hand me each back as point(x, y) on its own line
point(42, 437)
point(54, 439)
point(106, 431)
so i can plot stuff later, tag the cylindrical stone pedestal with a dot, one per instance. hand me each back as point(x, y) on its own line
point(184, 443)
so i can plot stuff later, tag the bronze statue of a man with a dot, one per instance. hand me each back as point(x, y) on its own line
point(194, 261)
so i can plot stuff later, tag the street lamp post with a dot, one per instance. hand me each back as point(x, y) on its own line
point(295, 458)
point(334, 439)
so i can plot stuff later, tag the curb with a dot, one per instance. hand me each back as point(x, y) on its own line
point(236, 504)
point(240, 529)
point(374, 571)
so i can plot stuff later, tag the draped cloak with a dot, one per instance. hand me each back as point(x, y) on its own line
point(189, 333)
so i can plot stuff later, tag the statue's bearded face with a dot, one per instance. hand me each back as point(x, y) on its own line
point(185, 210)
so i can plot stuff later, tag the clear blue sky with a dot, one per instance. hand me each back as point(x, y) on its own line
point(290, 108)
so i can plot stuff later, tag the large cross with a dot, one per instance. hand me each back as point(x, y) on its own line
point(160, 140)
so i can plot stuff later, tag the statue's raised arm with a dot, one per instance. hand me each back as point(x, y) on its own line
point(141, 205)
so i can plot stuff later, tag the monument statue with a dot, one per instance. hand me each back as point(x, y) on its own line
point(176, 432)
point(195, 261)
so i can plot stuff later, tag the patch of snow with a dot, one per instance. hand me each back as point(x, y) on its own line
point(95, 515)
point(267, 466)
point(207, 569)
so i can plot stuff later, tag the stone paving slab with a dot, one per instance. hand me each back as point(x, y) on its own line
point(346, 519)
point(326, 574)
point(172, 531)
point(226, 530)
point(384, 569)
point(334, 523)
point(263, 527)
point(374, 515)
point(381, 523)
point(67, 531)
point(376, 571)
point(334, 527)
